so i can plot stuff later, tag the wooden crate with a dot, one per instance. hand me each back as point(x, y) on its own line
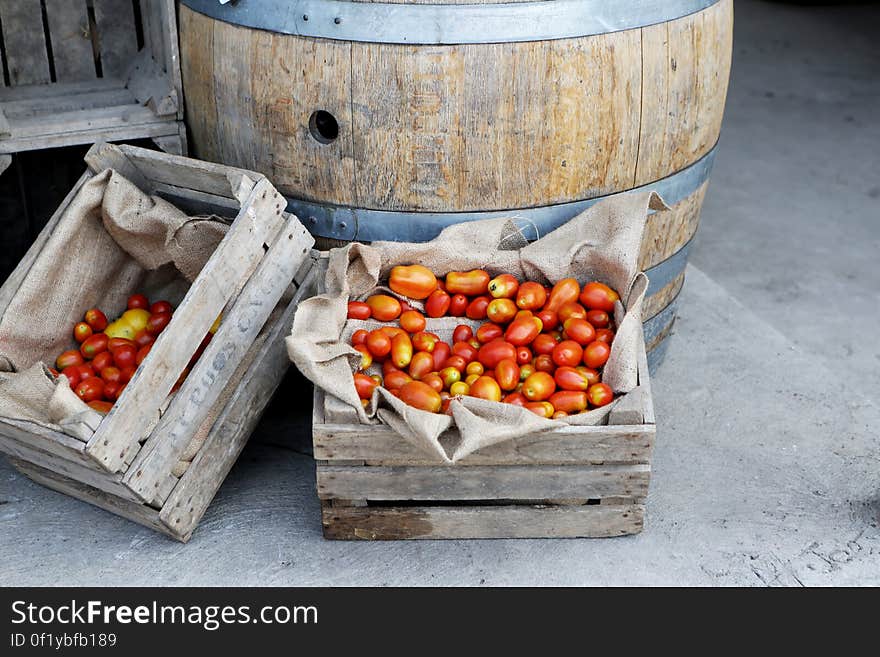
point(567, 483)
point(265, 264)
point(74, 74)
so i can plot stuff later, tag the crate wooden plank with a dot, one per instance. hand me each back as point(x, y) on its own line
point(519, 521)
point(95, 119)
point(25, 42)
point(138, 513)
point(42, 106)
point(193, 202)
point(117, 35)
point(235, 258)
point(5, 129)
point(149, 475)
point(166, 16)
point(193, 493)
point(69, 33)
point(58, 90)
point(36, 437)
point(511, 482)
point(87, 474)
point(380, 445)
point(87, 135)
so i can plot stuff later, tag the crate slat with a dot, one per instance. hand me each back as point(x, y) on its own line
point(69, 33)
point(37, 437)
point(148, 475)
point(117, 35)
point(519, 521)
point(512, 482)
point(25, 42)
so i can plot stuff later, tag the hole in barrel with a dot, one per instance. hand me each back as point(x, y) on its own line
point(324, 127)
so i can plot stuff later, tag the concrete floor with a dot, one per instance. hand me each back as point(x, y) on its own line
point(767, 467)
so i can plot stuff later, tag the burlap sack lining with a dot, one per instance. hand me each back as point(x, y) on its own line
point(112, 240)
point(600, 244)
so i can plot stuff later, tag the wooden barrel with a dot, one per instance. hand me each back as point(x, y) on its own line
point(390, 120)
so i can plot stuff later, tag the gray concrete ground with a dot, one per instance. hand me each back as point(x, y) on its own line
point(767, 468)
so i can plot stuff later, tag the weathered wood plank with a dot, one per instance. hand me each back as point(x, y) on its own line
point(191, 496)
point(69, 102)
point(36, 437)
point(69, 33)
point(236, 257)
point(520, 521)
point(117, 35)
point(149, 475)
point(25, 42)
point(509, 482)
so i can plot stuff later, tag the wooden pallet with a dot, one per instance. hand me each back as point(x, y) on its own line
point(74, 74)
point(266, 263)
point(570, 482)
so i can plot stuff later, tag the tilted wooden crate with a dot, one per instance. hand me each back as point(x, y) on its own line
point(570, 482)
point(265, 266)
point(75, 74)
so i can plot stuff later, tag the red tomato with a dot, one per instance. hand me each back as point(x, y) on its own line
point(458, 362)
point(111, 375)
point(569, 401)
point(471, 283)
point(565, 291)
point(425, 341)
point(600, 394)
point(605, 335)
point(142, 338)
point(462, 333)
point(591, 374)
point(125, 357)
point(68, 358)
point(548, 318)
point(485, 387)
point(422, 363)
point(96, 319)
point(433, 379)
point(504, 286)
point(157, 323)
point(579, 330)
point(127, 373)
point(401, 350)
point(359, 310)
point(413, 281)
point(458, 305)
point(383, 307)
point(394, 380)
point(101, 406)
point(596, 354)
point(567, 352)
point(488, 332)
point(388, 367)
point(515, 398)
point(138, 301)
point(531, 296)
point(494, 352)
point(364, 385)
point(598, 296)
point(421, 395)
point(571, 310)
point(82, 331)
point(142, 354)
point(568, 378)
point(539, 386)
point(541, 408)
point(501, 311)
point(412, 321)
point(86, 370)
point(161, 307)
point(359, 337)
point(72, 374)
point(544, 363)
point(465, 350)
point(507, 374)
point(441, 352)
point(437, 304)
point(119, 391)
point(114, 343)
point(523, 355)
point(522, 331)
point(392, 331)
point(378, 343)
point(544, 343)
point(477, 307)
point(90, 389)
point(94, 345)
point(598, 318)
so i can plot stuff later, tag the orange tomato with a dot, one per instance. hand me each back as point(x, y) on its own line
point(600, 394)
point(591, 374)
point(504, 286)
point(458, 305)
point(501, 311)
point(558, 415)
point(422, 396)
point(437, 304)
point(567, 352)
point(366, 356)
point(531, 296)
point(413, 281)
point(359, 310)
point(359, 337)
point(579, 330)
point(69, 358)
point(470, 283)
point(391, 331)
point(598, 318)
point(412, 321)
point(462, 333)
point(383, 307)
point(494, 352)
point(364, 385)
point(569, 401)
point(459, 389)
point(378, 343)
point(565, 291)
point(569, 378)
point(441, 352)
point(522, 331)
point(507, 374)
point(82, 331)
point(433, 379)
point(96, 319)
point(526, 371)
point(485, 387)
point(541, 408)
point(598, 296)
point(476, 367)
point(539, 386)
point(596, 354)
point(101, 406)
point(422, 363)
point(425, 341)
point(94, 345)
point(571, 310)
point(401, 350)
point(477, 307)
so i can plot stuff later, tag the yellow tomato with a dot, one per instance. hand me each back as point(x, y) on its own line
point(136, 318)
point(120, 329)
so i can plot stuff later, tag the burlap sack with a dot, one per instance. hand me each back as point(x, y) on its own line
point(600, 244)
point(112, 240)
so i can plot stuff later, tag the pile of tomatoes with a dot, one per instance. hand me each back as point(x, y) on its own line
point(109, 353)
point(542, 348)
